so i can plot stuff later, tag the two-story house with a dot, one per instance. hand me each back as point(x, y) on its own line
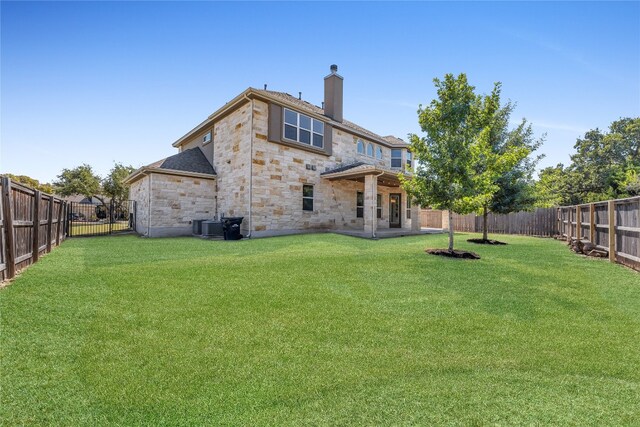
point(285, 165)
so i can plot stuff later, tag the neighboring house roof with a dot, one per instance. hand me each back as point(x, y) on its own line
point(79, 198)
point(302, 105)
point(191, 162)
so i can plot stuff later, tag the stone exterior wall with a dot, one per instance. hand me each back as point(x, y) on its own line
point(232, 163)
point(139, 191)
point(279, 172)
point(166, 204)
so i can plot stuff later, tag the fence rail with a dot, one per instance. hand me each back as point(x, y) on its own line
point(613, 225)
point(32, 223)
point(541, 222)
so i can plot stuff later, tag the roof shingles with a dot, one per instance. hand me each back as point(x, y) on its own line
point(191, 160)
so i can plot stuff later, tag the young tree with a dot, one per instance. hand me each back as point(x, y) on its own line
point(113, 185)
point(497, 152)
point(79, 180)
point(444, 177)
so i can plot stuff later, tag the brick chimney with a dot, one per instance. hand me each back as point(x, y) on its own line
point(333, 94)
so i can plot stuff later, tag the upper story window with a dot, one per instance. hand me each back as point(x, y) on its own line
point(409, 158)
point(303, 129)
point(396, 158)
point(379, 153)
point(370, 150)
point(360, 146)
point(206, 138)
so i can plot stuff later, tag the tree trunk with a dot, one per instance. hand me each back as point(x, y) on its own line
point(450, 230)
point(485, 227)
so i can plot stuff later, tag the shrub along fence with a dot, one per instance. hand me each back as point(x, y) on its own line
point(32, 223)
point(613, 225)
point(541, 222)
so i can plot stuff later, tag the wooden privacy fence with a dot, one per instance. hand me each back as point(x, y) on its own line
point(541, 222)
point(613, 225)
point(32, 223)
point(431, 218)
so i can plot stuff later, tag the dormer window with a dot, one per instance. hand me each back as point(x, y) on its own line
point(303, 129)
point(206, 138)
point(360, 146)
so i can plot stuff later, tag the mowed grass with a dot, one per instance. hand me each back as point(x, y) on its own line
point(319, 330)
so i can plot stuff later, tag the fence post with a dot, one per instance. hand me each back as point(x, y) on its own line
point(58, 224)
point(612, 231)
point(7, 213)
point(35, 248)
point(579, 222)
point(49, 223)
point(592, 223)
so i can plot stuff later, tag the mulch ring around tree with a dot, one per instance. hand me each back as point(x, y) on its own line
point(486, 242)
point(453, 254)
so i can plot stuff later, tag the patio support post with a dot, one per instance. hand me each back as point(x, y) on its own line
point(370, 201)
point(415, 217)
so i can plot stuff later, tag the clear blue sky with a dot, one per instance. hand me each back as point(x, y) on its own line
point(100, 82)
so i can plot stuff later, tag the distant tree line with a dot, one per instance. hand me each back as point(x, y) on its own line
point(606, 165)
point(84, 181)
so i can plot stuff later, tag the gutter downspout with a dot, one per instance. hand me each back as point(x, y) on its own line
point(149, 204)
point(248, 236)
point(375, 207)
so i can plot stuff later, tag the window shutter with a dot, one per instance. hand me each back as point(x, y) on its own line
point(275, 123)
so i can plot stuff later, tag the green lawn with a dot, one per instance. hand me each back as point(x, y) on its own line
point(319, 330)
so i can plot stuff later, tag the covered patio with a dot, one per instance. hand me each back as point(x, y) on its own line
point(404, 219)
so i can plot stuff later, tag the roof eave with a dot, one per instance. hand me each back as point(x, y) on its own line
point(146, 170)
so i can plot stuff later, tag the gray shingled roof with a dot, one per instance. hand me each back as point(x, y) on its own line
point(304, 105)
point(191, 160)
point(343, 168)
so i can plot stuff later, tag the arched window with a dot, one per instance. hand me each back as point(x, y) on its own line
point(379, 153)
point(360, 147)
point(370, 150)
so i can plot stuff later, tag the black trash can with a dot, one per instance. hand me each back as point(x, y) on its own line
point(231, 227)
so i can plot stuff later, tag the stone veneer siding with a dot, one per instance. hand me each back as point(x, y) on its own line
point(166, 204)
point(279, 172)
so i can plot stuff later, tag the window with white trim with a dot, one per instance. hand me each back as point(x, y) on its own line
point(396, 158)
point(359, 204)
point(370, 150)
point(408, 207)
point(206, 138)
point(409, 159)
point(307, 197)
point(303, 129)
point(360, 146)
point(378, 153)
point(379, 205)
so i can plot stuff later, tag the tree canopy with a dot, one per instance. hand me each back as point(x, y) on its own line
point(31, 182)
point(605, 165)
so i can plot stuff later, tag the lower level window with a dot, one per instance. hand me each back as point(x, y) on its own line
point(408, 207)
point(307, 197)
point(379, 206)
point(359, 204)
